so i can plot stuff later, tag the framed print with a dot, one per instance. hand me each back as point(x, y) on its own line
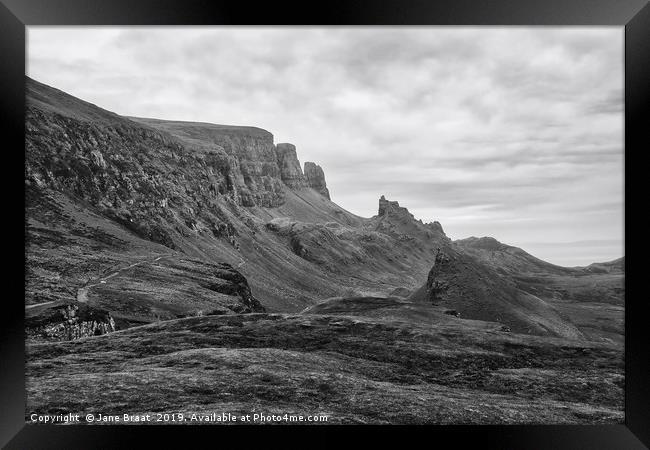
point(340, 218)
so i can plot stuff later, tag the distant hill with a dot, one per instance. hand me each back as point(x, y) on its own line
point(506, 258)
point(592, 296)
point(615, 266)
point(515, 260)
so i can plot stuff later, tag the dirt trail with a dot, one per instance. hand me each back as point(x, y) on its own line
point(82, 293)
point(39, 304)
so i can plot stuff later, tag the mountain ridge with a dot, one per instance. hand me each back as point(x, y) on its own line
point(492, 244)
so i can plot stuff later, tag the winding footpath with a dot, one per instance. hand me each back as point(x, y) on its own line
point(82, 293)
point(39, 304)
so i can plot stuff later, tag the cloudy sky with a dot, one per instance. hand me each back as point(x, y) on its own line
point(510, 132)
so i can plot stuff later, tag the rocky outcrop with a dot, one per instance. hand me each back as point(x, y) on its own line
point(436, 286)
point(316, 179)
point(435, 226)
point(392, 211)
point(290, 170)
point(69, 321)
point(253, 167)
point(387, 207)
point(230, 282)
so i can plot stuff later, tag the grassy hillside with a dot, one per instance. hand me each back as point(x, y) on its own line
point(591, 297)
point(347, 368)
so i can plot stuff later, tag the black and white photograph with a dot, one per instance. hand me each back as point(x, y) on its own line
point(324, 225)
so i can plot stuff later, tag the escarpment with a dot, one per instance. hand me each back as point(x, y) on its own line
point(163, 180)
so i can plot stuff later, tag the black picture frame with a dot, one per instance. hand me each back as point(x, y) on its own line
point(634, 15)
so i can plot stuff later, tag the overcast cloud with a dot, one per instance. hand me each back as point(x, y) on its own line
point(515, 133)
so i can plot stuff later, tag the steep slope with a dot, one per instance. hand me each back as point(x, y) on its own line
point(78, 259)
point(591, 297)
point(103, 192)
point(210, 192)
point(458, 281)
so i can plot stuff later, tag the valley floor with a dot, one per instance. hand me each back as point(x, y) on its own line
point(352, 369)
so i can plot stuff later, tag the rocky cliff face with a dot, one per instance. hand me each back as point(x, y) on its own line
point(253, 168)
point(259, 170)
point(253, 176)
point(387, 207)
point(163, 180)
point(316, 179)
point(289, 166)
point(436, 286)
point(139, 177)
point(392, 217)
point(67, 322)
